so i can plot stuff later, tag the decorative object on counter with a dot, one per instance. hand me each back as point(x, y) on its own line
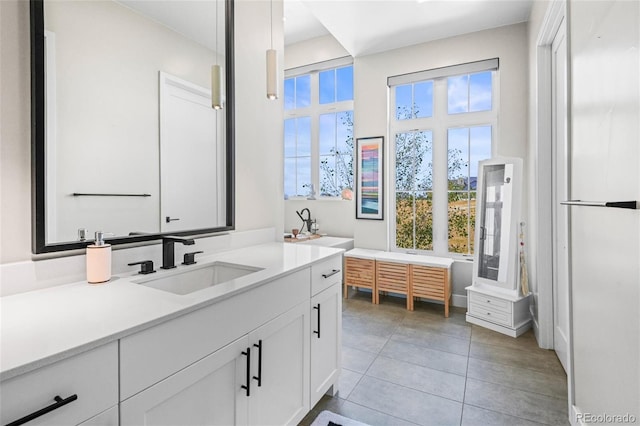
point(347, 194)
point(99, 260)
point(295, 232)
point(369, 178)
point(312, 192)
point(82, 234)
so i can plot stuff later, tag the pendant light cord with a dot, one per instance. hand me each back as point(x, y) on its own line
point(271, 3)
point(217, 29)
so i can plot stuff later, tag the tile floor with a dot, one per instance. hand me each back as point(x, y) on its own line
point(406, 368)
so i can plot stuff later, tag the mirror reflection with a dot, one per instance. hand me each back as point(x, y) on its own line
point(133, 144)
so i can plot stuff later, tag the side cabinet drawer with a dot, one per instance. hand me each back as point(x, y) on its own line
point(89, 381)
point(489, 302)
point(490, 315)
point(154, 354)
point(325, 274)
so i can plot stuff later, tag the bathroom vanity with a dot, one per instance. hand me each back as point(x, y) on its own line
point(261, 348)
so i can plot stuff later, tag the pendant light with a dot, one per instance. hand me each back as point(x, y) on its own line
point(272, 66)
point(216, 73)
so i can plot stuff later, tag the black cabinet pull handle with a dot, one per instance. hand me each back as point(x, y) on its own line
point(259, 376)
point(317, 331)
point(171, 219)
point(248, 385)
point(59, 402)
point(333, 272)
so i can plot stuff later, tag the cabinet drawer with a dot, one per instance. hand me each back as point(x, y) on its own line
point(490, 302)
point(91, 376)
point(154, 354)
point(497, 317)
point(324, 274)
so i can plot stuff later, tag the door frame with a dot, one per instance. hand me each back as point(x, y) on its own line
point(556, 13)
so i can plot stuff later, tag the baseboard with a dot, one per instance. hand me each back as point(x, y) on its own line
point(459, 300)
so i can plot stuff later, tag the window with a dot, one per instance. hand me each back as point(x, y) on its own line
point(318, 131)
point(442, 124)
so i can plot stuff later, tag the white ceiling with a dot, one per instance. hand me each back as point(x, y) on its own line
point(370, 26)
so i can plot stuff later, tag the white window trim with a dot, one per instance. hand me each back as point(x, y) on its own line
point(438, 123)
point(314, 111)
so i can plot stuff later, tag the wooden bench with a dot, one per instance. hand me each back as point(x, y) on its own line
point(412, 275)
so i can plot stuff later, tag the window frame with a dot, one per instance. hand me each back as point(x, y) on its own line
point(439, 124)
point(314, 111)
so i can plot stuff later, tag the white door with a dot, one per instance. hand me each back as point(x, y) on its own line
point(326, 327)
point(605, 241)
point(560, 182)
point(190, 157)
point(208, 392)
point(280, 367)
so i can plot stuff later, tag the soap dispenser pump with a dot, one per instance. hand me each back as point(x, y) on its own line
point(98, 260)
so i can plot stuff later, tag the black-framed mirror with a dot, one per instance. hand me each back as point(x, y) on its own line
point(125, 138)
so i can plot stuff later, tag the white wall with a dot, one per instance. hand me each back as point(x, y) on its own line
point(259, 186)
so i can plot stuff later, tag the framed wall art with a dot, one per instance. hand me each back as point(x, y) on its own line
point(369, 178)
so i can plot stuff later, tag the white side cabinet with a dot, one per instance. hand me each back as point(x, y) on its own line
point(69, 392)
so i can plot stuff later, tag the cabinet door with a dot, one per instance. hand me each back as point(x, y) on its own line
point(106, 418)
point(281, 363)
point(326, 339)
point(208, 392)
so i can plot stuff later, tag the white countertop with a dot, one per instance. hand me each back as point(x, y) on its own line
point(41, 327)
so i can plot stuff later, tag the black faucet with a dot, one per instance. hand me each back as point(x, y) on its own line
point(305, 222)
point(168, 252)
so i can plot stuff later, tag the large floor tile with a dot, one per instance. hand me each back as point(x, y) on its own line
point(368, 325)
point(356, 360)
point(407, 404)
point(424, 379)
point(474, 416)
point(348, 381)
point(437, 324)
point(363, 341)
point(520, 378)
point(490, 337)
point(517, 403)
point(539, 359)
point(426, 357)
point(431, 339)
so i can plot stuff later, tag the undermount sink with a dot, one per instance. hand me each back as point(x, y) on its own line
point(198, 277)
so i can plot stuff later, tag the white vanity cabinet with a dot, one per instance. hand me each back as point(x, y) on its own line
point(326, 327)
point(77, 389)
point(205, 393)
point(279, 385)
point(246, 360)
